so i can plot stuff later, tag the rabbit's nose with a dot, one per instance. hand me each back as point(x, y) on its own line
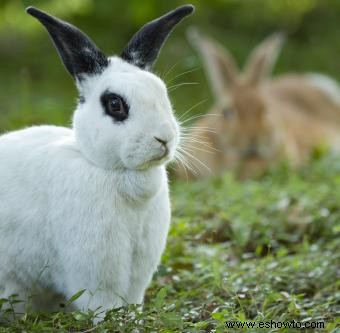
point(164, 145)
point(252, 151)
point(162, 141)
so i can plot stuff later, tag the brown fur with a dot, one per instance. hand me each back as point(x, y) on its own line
point(258, 121)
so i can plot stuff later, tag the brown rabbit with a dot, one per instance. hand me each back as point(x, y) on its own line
point(257, 121)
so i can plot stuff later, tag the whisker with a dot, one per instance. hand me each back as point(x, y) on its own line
point(197, 130)
point(203, 148)
point(196, 159)
point(189, 141)
point(197, 127)
point(191, 166)
point(172, 88)
point(196, 135)
point(179, 163)
point(193, 140)
point(181, 74)
point(170, 69)
point(191, 108)
point(191, 118)
point(193, 149)
point(185, 163)
point(199, 116)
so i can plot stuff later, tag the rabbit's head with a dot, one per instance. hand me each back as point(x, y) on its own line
point(247, 130)
point(124, 118)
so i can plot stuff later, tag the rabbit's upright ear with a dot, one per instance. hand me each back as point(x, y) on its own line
point(78, 52)
point(219, 64)
point(144, 47)
point(262, 60)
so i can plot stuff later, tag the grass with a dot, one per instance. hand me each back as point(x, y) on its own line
point(258, 250)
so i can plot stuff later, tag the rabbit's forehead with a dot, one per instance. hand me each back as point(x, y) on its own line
point(130, 80)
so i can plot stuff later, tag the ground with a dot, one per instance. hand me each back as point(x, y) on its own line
point(262, 250)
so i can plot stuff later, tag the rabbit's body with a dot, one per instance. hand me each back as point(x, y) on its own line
point(88, 207)
point(258, 121)
point(308, 116)
point(67, 224)
point(325, 83)
point(305, 94)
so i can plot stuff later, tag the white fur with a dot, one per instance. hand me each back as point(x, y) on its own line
point(88, 207)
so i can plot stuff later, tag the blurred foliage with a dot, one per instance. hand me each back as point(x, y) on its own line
point(35, 88)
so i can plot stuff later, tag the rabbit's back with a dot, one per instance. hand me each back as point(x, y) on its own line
point(307, 116)
point(62, 218)
point(306, 96)
point(24, 184)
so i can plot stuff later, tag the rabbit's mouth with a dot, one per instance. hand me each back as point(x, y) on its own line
point(255, 152)
point(163, 155)
point(161, 158)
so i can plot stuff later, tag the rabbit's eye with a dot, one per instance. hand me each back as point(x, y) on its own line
point(115, 106)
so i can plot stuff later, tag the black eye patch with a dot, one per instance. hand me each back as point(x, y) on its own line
point(114, 106)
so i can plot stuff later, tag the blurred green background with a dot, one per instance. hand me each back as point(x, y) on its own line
point(36, 89)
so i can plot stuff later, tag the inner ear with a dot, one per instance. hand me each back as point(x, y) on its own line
point(77, 51)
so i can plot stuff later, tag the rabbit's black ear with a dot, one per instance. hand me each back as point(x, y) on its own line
point(77, 51)
point(144, 47)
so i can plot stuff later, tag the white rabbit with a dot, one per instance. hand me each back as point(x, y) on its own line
point(88, 207)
